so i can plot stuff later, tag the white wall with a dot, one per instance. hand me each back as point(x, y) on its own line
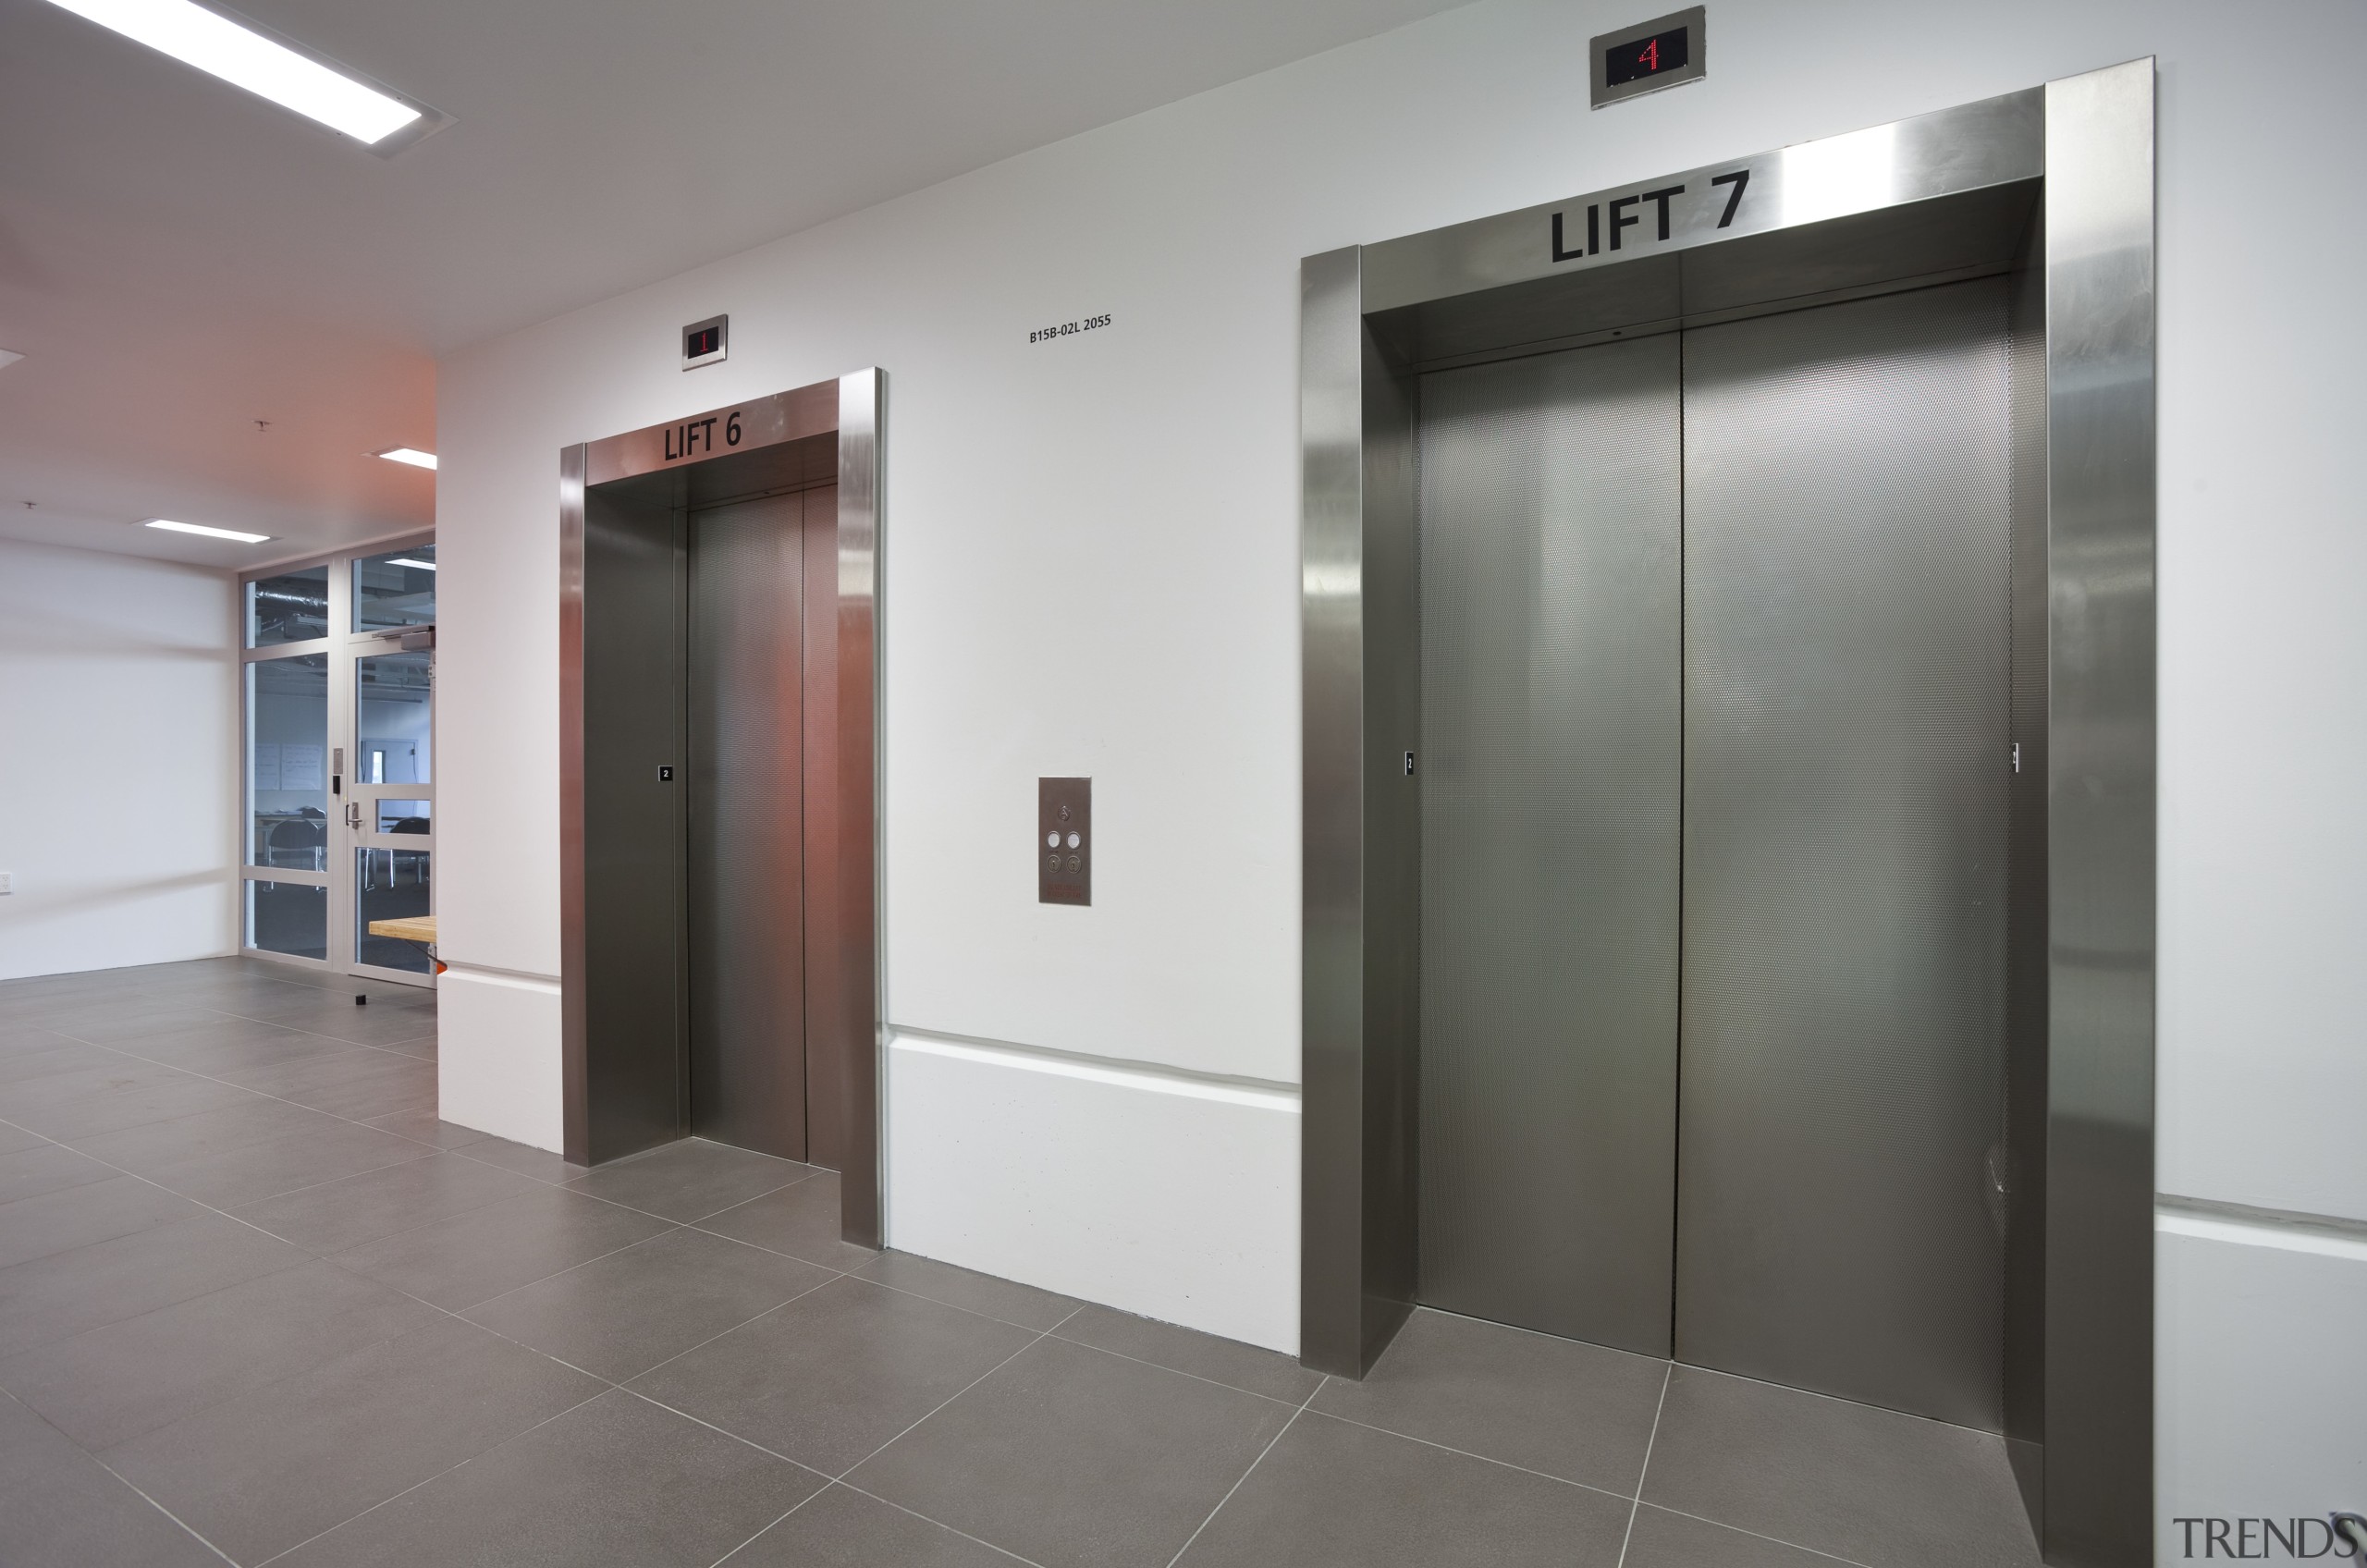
point(2261, 1362)
point(118, 760)
point(1091, 568)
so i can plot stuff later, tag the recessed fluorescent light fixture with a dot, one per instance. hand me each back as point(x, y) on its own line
point(406, 560)
point(247, 55)
point(208, 532)
point(410, 455)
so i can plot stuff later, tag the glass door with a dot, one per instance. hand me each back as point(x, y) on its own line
point(339, 788)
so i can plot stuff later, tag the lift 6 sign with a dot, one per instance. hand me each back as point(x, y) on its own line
point(696, 437)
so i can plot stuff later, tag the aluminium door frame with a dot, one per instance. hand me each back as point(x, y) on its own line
point(2088, 141)
point(853, 406)
point(340, 647)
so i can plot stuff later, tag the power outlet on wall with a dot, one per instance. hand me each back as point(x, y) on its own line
point(7, 881)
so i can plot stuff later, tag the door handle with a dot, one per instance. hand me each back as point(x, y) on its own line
point(353, 814)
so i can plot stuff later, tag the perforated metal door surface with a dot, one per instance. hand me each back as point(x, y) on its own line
point(746, 863)
point(1549, 775)
point(1848, 494)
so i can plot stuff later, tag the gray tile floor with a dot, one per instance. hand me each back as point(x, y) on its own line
point(258, 1304)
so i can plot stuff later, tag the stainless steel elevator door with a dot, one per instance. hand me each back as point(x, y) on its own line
point(745, 866)
point(1846, 490)
point(1549, 774)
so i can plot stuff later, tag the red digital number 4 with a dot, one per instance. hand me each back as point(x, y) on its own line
point(1651, 59)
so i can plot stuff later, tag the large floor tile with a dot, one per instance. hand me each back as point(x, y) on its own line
point(1662, 1539)
point(14, 1138)
point(621, 1314)
point(124, 1018)
point(428, 1128)
point(216, 979)
point(73, 1072)
point(328, 1065)
point(125, 1096)
point(65, 1294)
point(1873, 1485)
point(690, 1178)
point(835, 1373)
point(333, 1015)
point(1187, 1349)
point(343, 986)
point(222, 1046)
point(232, 1177)
point(1073, 1456)
point(540, 1164)
point(52, 1056)
point(982, 1293)
point(336, 1216)
point(76, 1217)
point(615, 1481)
point(1577, 1411)
point(47, 1168)
point(353, 1082)
point(60, 1508)
point(18, 1015)
point(801, 1220)
point(114, 1383)
point(1334, 1495)
point(278, 1464)
point(156, 1144)
point(18, 1038)
point(845, 1528)
point(474, 1256)
point(381, 1094)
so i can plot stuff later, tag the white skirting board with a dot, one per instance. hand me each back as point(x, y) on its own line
point(2260, 1374)
point(1163, 1194)
point(498, 1055)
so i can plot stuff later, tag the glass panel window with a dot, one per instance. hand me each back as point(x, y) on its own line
point(291, 607)
point(390, 885)
point(392, 719)
point(288, 763)
point(395, 590)
point(288, 917)
point(404, 816)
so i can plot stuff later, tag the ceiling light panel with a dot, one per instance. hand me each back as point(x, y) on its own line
point(209, 533)
point(242, 55)
point(9, 356)
point(410, 455)
point(406, 560)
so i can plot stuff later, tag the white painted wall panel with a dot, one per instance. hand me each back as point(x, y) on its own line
point(496, 1047)
point(1171, 1197)
point(2262, 1372)
point(118, 760)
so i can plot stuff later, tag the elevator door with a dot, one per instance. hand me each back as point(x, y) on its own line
point(746, 868)
point(1846, 756)
point(1728, 1091)
point(1550, 657)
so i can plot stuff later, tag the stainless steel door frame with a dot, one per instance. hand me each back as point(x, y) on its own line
point(1919, 199)
point(828, 433)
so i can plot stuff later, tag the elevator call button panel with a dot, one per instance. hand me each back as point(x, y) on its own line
point(1064, 840)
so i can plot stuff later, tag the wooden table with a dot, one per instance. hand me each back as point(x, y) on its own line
point(411, 928)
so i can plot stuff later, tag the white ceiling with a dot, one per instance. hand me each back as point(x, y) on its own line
point(179, 260)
